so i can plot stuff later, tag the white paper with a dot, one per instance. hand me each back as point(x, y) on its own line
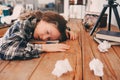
point(97, 66)
point(61, 67)
point(104, 46)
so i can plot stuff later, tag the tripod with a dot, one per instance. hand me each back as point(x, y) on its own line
point(110, 5)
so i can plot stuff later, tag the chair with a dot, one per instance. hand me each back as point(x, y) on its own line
point(18, 9)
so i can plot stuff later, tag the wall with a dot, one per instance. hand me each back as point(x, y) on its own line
point(97, 6)
point(66, 7)
point(45, 1)
point(113, 17)
point(66, 10)
point(33, 2)
point(77, 11)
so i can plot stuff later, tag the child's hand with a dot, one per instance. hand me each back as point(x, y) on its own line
point(72, 35)
point(54, 47)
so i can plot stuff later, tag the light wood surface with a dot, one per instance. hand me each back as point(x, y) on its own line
point(81, 52)
point(3, 30)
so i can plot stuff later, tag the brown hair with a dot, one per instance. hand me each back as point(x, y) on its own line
point(53, 17)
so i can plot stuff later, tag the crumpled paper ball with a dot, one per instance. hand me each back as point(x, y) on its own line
point(61, 67)
point(97, 66)
point(104, 46)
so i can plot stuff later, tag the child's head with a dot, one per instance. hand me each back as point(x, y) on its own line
point(58, 20)
point(48, 22)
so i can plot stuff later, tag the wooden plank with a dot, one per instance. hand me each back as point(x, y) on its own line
point(19, 70)
point(117, 50)
point(72, 55)
point(79, 71)
point(87, 55)
point(114, 61)
point(79, 75)
point(3, 64)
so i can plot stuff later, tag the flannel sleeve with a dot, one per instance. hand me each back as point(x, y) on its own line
point(15, 44)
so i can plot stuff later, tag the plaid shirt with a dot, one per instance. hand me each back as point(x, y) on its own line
point(15, 43)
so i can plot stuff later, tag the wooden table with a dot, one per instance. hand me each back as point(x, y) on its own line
point(3, 30)
point(81, 52)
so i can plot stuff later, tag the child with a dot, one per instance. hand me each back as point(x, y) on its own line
point(34, 25)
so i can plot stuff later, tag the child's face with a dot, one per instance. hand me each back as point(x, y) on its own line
point(46, 31)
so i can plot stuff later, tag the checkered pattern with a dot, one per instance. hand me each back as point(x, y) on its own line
point(15, 43)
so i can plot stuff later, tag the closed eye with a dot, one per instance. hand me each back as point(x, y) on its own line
point(47, 32)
